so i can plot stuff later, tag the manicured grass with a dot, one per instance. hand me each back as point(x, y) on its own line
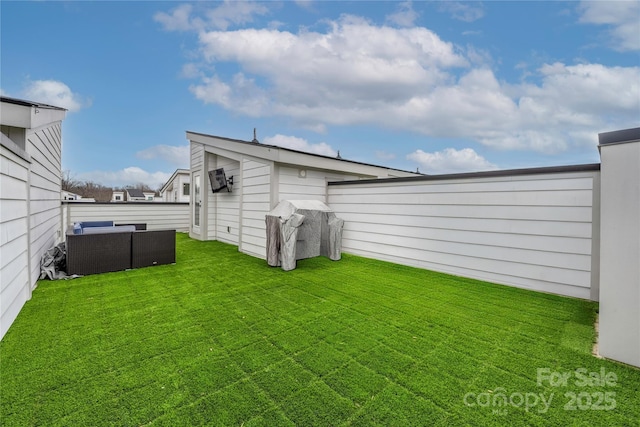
point(220, 338)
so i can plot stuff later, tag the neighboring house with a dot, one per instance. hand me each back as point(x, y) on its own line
point(262, 176)
point(178, 187)
point(30, 151)
point(68, 195)
point(117, 196)
point(149, 196)
point(73, 197)
point(137, 195)
point(133, 195)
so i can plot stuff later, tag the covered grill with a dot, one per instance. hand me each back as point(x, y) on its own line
point(299, 229)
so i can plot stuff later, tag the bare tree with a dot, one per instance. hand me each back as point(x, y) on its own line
point(90, 189)
point(98, 191)
point(69, 183)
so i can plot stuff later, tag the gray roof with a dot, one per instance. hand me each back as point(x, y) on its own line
point(619, 136)
point(26, 103)
point(256, 143)
point(135, 192)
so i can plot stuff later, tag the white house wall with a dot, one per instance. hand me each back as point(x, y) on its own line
point(197, 156)
point(181, 180)
point(224, 207)
point(15, 285)
point(174, 190)
point(530, 231)
point(306, 184)
point(620, 253)
point(256, 202)
point(45, 148)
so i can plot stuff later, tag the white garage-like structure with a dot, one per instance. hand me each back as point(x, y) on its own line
point(262, 176)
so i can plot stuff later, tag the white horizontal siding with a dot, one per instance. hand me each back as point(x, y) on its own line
point(534, 213)
point(157, 216)
point(532, 231)
point(44, 145)
point(313, 186)
point(546, 243)
point(563, 228)
point(15, 283)
point(197, 155)
point(256, 203)
point(254, 250)
point(223, 207)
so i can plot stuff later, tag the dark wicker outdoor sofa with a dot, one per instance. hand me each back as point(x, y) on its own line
point(104, 248)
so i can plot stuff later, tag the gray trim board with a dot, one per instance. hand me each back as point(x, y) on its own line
point(487, 174)
point(260, 144)
point(26, 103)
point(148, 203)
point(619, 136)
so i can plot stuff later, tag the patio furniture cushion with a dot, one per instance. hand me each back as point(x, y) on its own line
point(114, 229)
point(138, 225)
point(80, 227)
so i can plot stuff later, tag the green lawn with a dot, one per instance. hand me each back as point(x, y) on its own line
point(220, 338)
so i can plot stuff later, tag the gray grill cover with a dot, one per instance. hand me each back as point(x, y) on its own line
point(299, 229)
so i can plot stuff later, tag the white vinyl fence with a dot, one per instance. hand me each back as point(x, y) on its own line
point(157, 215)
point(533, 228)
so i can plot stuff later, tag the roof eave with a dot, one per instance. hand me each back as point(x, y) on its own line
point(298, 158)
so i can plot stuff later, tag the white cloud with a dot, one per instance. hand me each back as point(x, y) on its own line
point(467, 12)
point(173, 154)
point(128, 176)
point(588, 88)
point(191, 71)
point(235, 12)
point(54, 93)
point(622, 16)
point(312, 75)
point(305, 4)
point(300, 144)
point(178, 20)
point(405, 15)
point(410, 79)
point(240, 95)
point(228, 13)
point(450, 160)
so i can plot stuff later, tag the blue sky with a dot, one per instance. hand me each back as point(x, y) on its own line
point(440, 86)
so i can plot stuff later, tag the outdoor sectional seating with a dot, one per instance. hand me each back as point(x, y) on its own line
point(100, 247)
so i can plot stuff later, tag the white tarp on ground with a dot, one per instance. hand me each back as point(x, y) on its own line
point(299, 229)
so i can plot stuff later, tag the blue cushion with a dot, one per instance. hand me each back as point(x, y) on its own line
point(105, 230)
point(86, 224)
